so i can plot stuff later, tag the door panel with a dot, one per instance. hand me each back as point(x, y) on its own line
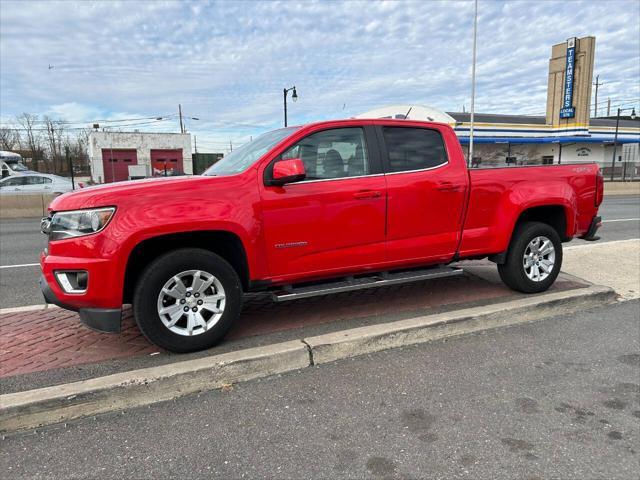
point(324, 225)
point(425, 205)
point(333, 221)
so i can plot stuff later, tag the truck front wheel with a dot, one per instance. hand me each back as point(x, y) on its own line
point(534, 258)
point(186, 300)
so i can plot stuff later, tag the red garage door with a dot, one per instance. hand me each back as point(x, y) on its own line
point(167, 162)
point(116, 164)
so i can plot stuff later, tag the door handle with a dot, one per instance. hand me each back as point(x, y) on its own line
point(364, 194)
point(448, 187)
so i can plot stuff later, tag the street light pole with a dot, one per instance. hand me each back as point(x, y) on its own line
point(473, 84)
point(294, 97)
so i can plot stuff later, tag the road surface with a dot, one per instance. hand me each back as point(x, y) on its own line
point(558, 398)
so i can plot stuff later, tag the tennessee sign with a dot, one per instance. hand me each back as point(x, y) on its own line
point(567, 110)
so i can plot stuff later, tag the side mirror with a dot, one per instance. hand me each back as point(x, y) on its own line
point(287, 171)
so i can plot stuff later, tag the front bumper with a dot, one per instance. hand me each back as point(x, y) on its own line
point(590, 236)
point(107, 320)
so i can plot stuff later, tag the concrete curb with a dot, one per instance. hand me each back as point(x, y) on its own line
point(44, 406)
point(360, 341)
point(60, 403)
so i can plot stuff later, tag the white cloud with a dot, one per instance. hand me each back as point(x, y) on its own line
point(227, 62)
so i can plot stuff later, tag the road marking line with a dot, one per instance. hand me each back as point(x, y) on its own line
point(597, 244)
point(20, 266)
point(27, 308)
point(621, 220)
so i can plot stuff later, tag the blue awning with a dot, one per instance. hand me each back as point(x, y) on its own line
point(524, 140)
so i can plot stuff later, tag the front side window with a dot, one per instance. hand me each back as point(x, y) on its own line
point(413, 148)
point(337, 153)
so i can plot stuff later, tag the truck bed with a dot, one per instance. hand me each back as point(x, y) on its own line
point(498, 195)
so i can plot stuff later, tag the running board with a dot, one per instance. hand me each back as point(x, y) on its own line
point(348, 284)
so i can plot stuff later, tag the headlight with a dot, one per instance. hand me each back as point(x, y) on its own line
point(77, 223)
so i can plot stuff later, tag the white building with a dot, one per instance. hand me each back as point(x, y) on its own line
point(117, 156)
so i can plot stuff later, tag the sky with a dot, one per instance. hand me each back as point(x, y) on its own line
point(227, 62)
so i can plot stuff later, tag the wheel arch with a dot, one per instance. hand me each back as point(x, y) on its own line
point(556, 216)
point(224, 243)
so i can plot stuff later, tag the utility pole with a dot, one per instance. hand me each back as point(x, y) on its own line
point(230, 145)
point(595, 108)
point(195, 143)
point(608, 107)
point(180, 114)
point(70, 163)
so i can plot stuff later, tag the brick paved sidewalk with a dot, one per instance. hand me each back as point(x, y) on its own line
point(54, 338)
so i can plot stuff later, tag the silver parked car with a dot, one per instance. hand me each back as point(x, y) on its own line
point(35, 183)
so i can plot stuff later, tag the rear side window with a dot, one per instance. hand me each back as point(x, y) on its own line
point(413, 148)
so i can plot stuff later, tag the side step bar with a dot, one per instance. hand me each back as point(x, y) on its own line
point(379, 279)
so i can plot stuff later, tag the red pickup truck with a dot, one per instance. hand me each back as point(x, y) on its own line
point(302, 211)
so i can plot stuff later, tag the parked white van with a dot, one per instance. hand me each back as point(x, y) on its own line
point(11, 164)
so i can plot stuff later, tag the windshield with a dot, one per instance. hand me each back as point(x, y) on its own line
point(245, 156)
point(17, 166)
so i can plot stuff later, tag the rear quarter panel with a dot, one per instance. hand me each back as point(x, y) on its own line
point(499, 196)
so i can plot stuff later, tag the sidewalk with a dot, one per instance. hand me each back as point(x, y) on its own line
point(600, 263)
point(52, 339)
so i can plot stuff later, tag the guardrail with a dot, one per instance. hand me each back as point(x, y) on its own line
point(24, 205)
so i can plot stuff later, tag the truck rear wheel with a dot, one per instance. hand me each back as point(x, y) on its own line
point(187, 299)
point(534, 258)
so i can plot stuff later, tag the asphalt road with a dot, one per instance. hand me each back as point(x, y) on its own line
point(558, 398)
point(21, 243)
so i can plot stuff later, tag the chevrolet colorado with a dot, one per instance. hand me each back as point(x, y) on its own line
point(302, 211)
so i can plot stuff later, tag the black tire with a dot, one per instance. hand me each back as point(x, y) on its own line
point(161, 270)
point(513, 272)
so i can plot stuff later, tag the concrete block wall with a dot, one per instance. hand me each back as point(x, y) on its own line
point(142, 142)
point(24, 205)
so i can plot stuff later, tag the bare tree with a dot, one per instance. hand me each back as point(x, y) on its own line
point(33, 139)
point(9, 139)
point(55, 135)
point(78, 146)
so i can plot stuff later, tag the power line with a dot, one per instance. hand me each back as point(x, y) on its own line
point(71, 122)
point(88, 127)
